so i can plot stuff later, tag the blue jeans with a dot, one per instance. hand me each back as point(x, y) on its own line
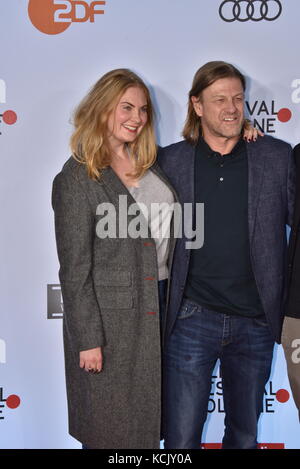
point(200, 337)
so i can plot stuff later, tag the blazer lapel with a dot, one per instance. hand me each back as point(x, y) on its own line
point(256, 167)
point(187, 175)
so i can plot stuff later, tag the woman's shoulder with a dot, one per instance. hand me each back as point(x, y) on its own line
point(73, 169)
point(71, 183)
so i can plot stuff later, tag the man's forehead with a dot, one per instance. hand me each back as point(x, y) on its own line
point(225, 85)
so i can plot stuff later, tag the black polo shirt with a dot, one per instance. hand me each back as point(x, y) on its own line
point(220, 275)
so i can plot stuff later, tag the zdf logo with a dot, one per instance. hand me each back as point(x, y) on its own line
point(55, 16)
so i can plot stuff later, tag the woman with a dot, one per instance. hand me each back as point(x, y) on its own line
point(110, 285)
point(112, 278)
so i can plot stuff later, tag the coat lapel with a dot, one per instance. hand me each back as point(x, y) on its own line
point(117, 188)
point(113, 183)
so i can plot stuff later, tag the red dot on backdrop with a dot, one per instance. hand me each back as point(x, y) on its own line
point(9, 117)
point(282, 395)
point(284, 114)
point(13, 401)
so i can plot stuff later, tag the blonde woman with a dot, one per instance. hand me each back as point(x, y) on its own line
point(110, 284)
point(113, 279)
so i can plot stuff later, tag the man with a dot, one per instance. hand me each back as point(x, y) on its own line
point(291, 325)
point(225, 299)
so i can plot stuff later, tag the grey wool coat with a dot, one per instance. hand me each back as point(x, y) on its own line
point(110, 295)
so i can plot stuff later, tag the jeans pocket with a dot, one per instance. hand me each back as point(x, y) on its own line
point(260, 322)
point(187, 309)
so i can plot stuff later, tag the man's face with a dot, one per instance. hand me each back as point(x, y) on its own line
point(221, 108)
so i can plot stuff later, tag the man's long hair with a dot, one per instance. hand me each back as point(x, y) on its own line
point(204, 77)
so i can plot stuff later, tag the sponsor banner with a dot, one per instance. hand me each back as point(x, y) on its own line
point(272, 397)
point(52, 52)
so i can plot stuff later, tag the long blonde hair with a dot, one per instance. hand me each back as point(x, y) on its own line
point(89, 141)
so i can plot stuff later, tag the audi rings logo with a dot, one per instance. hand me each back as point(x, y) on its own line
point(246, 10)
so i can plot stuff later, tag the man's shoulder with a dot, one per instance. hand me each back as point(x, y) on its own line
point(182, 145)
point(269, 142)
point(175, 150)
point(297, 150)
point(176, 157)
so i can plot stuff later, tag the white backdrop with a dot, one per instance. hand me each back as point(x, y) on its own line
point(42, 78)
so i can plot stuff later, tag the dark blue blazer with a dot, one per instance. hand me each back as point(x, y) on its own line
point(271, 193)
point(293, 304)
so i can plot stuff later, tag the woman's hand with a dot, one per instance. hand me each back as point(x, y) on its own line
point(91, 360)
point(251, 133)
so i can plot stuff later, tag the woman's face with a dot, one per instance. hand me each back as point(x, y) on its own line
point(129, 117)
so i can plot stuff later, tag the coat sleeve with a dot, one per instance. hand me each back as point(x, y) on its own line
point(75, 231)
